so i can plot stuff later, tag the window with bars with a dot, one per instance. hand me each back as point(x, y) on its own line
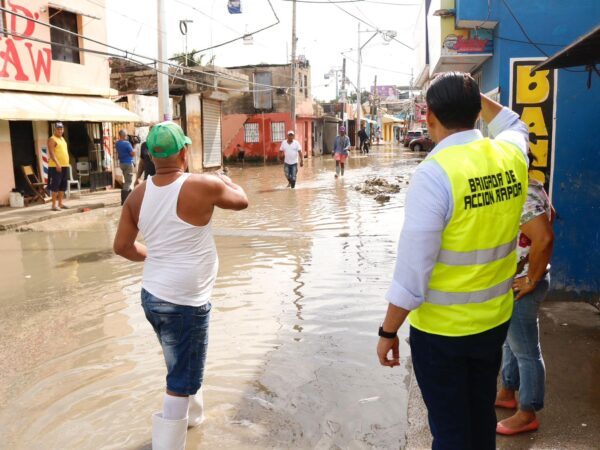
point(305, 86)
point(68, 48)
point(277, 131)
point(251, 133)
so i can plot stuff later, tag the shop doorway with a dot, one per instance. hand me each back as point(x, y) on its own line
point(23, 152)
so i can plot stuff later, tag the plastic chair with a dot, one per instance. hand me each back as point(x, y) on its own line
point(83, 170)
point(71, 181)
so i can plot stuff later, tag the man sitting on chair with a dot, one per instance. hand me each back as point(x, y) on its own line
point(58, 167)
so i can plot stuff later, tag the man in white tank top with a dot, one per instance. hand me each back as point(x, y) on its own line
point(173, 211)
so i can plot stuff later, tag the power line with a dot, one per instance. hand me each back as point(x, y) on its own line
point(366, 23)
point(192, 54)
point(154, 60)
point(375, 67)
point(530, 41)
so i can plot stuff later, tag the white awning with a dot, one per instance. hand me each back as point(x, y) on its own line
point(463, 62)
point(387, 118)
point(29, 106)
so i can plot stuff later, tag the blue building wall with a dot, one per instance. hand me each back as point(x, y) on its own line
point(576, 181)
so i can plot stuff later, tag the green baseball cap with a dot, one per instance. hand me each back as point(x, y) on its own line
point(188, 141)
point(166, 139)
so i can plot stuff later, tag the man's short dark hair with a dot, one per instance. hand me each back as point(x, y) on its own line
point(455, 100)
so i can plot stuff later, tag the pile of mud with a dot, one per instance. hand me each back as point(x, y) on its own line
point(380, 188)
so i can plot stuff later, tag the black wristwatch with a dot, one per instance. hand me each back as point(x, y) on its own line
point(386, 334)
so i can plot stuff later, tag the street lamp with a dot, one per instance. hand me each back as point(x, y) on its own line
point(388, 36)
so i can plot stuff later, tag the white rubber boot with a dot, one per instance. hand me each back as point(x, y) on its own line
point(168, 434)
point(196, 411)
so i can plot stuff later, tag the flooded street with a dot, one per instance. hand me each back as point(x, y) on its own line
point(296, 307)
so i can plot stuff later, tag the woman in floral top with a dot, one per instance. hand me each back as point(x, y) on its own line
point(523, 367)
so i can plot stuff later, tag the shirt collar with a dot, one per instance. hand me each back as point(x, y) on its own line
point(460, 138)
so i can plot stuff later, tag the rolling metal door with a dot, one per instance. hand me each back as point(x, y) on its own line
point(211, 133)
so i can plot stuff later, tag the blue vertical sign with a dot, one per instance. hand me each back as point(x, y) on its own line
point(234, 6)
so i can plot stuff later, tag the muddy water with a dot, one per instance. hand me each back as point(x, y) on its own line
point(291, 360)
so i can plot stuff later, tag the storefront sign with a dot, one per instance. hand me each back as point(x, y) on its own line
point(533, 97)
point(21, 59)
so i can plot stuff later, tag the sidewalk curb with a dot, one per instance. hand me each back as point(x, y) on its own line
point(15, 226)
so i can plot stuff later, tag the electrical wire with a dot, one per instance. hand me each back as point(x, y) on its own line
point(530, 41)
point(366, 23)
point(128, 58)
point(154, 60)
point(192, 54)
point(375, 67)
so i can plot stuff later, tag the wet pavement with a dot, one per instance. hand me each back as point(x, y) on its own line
point(291, 361)
point(569, 335)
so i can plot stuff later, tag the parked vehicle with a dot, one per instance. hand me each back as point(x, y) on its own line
point(421, 144)
point(414, 134)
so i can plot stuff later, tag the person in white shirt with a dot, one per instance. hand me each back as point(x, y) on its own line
point(291, 152)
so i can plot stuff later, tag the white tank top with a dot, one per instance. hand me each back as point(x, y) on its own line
point(182, 262)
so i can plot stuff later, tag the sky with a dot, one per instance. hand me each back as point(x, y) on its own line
point(325, 34)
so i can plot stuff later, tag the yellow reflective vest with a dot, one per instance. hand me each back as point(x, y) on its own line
point(470, 289)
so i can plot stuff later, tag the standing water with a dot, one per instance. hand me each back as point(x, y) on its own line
point(291, 360)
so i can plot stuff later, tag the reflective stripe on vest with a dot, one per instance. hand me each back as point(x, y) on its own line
point(470, 288)
point(476, 256)
point(460, 298)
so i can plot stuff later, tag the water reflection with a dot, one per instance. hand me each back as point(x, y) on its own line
point(299, 294)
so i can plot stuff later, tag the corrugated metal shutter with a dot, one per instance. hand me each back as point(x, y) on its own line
point(211, 133)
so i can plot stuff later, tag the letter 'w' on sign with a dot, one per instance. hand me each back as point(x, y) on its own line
point(234, 6)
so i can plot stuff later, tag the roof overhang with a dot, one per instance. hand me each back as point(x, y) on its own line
point(28, 106)
point(487, 24)
point(462, 62)
point(585, 51)
point(422, 77)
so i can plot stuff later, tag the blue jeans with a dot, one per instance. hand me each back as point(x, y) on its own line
point(182, 332)
point(523, 366)
point(457, 377)
point(290, 171)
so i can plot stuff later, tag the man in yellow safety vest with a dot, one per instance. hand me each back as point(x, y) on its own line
point(456, 261)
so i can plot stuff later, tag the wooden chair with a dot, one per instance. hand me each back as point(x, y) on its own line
point(38, 189)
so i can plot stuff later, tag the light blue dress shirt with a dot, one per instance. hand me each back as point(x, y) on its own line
point(429, 208)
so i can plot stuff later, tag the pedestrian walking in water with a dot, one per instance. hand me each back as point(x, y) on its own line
point(291, 153)
point(363, 138)
point(456, 261)
point(523, 368)
point(341, 147)
point(173, 211)
point(126, 154)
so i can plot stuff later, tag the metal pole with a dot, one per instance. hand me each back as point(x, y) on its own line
point(344, 91)
point(358, 93)
point(293, 99)
point(163, 78)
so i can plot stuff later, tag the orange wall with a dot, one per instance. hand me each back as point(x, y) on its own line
point(265, 149)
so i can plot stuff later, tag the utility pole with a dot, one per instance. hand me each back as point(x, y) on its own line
point(163, 77)
point(343, 92)
point(358, 93)
point(293, 99)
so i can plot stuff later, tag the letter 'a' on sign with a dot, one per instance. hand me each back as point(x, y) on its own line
point(534, 119)
point(534, 87)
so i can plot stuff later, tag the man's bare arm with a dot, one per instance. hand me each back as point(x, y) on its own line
point(125, 244)
point(229, 195)
point(51, 147)
point(489, 108)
